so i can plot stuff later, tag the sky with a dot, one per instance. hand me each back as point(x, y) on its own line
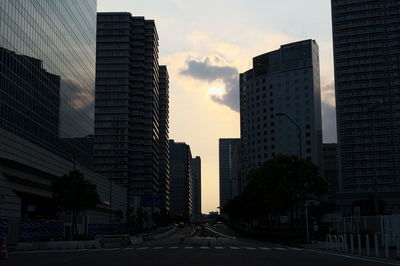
point(206, 44)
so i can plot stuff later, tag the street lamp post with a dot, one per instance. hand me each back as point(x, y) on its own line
point(298, 128)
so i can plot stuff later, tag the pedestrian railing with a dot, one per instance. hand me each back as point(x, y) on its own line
point(347, 243)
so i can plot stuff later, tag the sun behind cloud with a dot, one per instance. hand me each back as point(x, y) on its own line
point(216, 91)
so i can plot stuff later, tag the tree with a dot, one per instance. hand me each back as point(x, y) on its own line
point(73, 193)
point(276, 188)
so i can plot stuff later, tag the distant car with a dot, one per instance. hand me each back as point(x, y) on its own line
point(181, 225)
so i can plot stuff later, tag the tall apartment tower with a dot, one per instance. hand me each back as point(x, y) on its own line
point(196, 186)
point(227, 147)
point(367, 66)
point(280, 101)
point(127, 102)
point(164, 134)
point(181, 201)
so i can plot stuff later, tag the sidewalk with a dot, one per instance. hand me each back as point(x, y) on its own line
point(321, 245)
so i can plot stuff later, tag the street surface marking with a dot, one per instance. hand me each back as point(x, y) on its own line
point(129, 248)
point(205, 247)
point(142, 248)
point(296, 248)
point(111, 249)
point(234, 247)
point(219, 247)
point(280, 248)
point(173, 247)
point(249, 248)
point(158, 247)
point(264, 248)
point(188, 247)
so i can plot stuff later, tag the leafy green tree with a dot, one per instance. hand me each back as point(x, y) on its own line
point(73, 193)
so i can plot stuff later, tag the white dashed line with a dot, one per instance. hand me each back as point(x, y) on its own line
point(142, 248)
point(280, 248)
point(158, 247)
point(234, 248)
point(249, 248)
point(173, 247)
point(128, 248)
point(205, 247)
point(112, 249)
point(188, 247)
point(264, 248)
point(298, 249)
point(219, 247)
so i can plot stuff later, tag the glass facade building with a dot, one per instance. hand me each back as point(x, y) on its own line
point(47, 73)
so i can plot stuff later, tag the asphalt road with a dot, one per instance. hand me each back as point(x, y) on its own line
point(170, 251)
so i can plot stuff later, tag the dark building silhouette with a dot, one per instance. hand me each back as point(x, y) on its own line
point(181, 201)
point(227, 147)
point(127, 114)
point(196, 186)
point(367, 82)
point(164, 134)
point(330, 167)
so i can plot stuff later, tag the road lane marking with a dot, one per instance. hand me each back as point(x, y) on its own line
point(219, 247)
point(112, 249)
point(264, 248)
point(128, 248)
point(142, 248)
point(276, 248)
point(298, 249)
point(234, 248)
point(173, 247)
point(249, 248)
point(158, 247)
point(205, 247)
point(188, 247)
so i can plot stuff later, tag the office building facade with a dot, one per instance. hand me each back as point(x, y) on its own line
point(47, 75)
point(181, 192)
point(330, 167)
point(367, 82)
point(280, 106)
point(196, 187)
point(227, 164)
point(127, 103)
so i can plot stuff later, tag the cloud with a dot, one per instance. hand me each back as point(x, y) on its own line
point(228, 75)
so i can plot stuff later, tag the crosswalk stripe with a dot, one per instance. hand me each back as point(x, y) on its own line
point(158, 247)
point(234, 248)
point(264, 248)
point(173, 247)
point(205, 247)
point(128, 248)
point(249, 248)
point(219, 247)
point(188, 247)
point(296, 249)
point(280, 248)
point(142, 248)
point(111, 249)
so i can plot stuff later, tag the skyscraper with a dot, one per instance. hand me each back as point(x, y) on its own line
point(164, 133)
point(280, 105)
point(47, 76)
point(181, 202)
point(367, 82)
point(227, 148)
point(127, 102)
point(196, 186)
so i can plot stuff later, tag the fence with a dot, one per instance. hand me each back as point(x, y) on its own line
point(381, 225)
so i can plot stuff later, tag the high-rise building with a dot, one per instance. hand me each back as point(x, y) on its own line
point(196, 186)
point(227, 148)
point(280, 105)
point(164, 134)
point(367, 66)
point(47, 76)
point(330, 167)
point(127, 103)
point(181, 202)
